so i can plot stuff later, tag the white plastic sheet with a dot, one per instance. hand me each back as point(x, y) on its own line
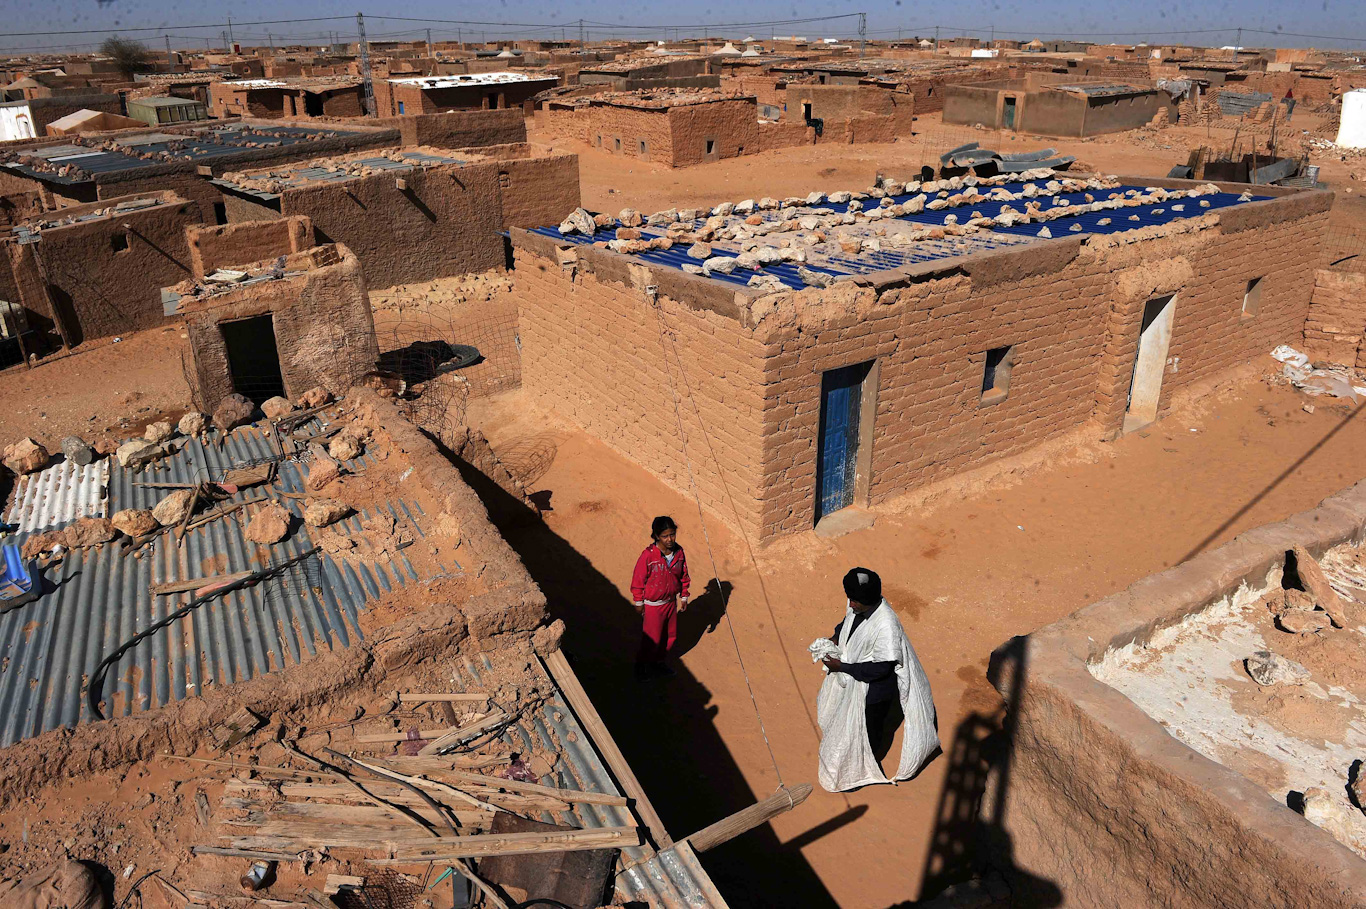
point(1331, 380)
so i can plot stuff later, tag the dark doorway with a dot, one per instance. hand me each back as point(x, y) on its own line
point(1008, 115)
point(253, 360)
point(837, 449)
point(313, 104)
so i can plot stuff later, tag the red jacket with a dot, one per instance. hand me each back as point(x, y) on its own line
point(657, 580)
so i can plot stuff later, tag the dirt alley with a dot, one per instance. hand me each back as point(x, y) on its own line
point(963, 575)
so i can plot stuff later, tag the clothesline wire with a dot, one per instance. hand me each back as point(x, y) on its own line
point(711, 555)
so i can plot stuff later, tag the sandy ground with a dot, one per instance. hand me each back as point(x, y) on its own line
point(964, 576)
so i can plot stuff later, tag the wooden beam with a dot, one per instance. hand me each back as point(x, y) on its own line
point(418, 697)
point(255, 854)
point(453, 847)
point(564, 795)
point(167, 587)
point(587, 714)
point(728, 828)
point(464, 733)
point(425, 735)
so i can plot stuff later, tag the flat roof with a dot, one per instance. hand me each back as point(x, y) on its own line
point(1098, 89)
point(193, 147)
point(280, 179)
point(460, 79)
point(924, 235)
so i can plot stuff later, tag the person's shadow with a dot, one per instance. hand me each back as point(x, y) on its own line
point(704, 615)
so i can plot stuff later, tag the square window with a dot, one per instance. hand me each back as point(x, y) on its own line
point(1252, 298)
point(119, 241)
point(996, 374)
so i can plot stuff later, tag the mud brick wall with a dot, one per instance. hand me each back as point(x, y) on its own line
point(591, 350)
point(607, 125)
point(324, 329)
point(733, 127)
point(561, 123)
point(180, 179)
point(538, 191)
point(1337, 318)
point(785, 134)
point(444, 220)
point(239, 209)
point(228, 245)
point(464, 129)
point(1100, 801)
point(344, 103)
point(104, 276)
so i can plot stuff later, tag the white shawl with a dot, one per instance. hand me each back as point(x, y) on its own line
point(846, 759)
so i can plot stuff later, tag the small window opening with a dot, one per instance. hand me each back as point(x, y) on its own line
point(400, 107)
point(616, 145)
point(642, 146)
point(598, 142)
point(806, 110)
point(504, 179)
point(711, 146)
point(119, 241)
point(996, 374)
point(1252, 297)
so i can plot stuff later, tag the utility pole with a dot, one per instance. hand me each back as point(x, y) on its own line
point(991, 42)
point(862, 31)
point(170, 61)
point(231, 39)
point(583, 48)
point(271, 39)
point(365, 67)
point(429, 50)
point(936, 39)
point(1238, 45)
point(227, 48)
point(458, 41)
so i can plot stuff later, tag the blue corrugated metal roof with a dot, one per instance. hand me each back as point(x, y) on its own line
point(98, 598)
point(867, 262)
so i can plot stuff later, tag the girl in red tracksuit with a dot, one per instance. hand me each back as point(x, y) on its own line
point(659, 587)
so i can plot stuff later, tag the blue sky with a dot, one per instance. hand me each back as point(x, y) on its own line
point(69, 24)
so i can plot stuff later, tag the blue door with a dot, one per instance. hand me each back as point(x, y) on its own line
point(837, 452)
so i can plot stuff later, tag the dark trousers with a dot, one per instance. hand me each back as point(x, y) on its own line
point(882, 718)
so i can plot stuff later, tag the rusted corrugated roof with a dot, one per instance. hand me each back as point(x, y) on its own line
point(58, 495)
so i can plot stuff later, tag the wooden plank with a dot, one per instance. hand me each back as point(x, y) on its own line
point(390, 792)
point(255, 855)
point(728, 828)
point(260, 813)
point(418, 697)
point(168, 587)
point(587, 714)
point(494, 783)
point(455, 847)
point(336, 883)
point(474, 761)
point(464, 733)
point(235, 728)
point(426, 735)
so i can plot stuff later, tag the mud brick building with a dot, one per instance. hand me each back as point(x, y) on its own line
point(675, 127)
point(281, 331)
point(91, 271)
point(407, 96)
point(1140, 747)
point(179, 158)
point(947, 337)
point(1044, 108)
point(646, 73)
point(852, 113)
point(276, 99)
point(411, 215)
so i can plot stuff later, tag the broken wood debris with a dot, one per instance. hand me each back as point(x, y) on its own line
point(460, 847)
point(465, 734)
point(235, 728)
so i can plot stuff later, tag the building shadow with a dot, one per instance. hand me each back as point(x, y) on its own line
point(970, 838)
point(665, 728)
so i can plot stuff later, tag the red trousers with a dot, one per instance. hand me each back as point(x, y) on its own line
point(658, 633)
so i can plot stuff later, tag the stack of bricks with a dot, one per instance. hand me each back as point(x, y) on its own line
point(1336, 321)
point(1159, 120)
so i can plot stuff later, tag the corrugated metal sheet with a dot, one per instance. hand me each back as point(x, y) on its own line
point(99, 598)
point(672, 879)
point(58, 495)
point(1235, 104)
point(930, 250)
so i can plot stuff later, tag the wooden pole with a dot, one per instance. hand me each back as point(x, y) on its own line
point(729, 828)
point(587, 714)
point(480, 845)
